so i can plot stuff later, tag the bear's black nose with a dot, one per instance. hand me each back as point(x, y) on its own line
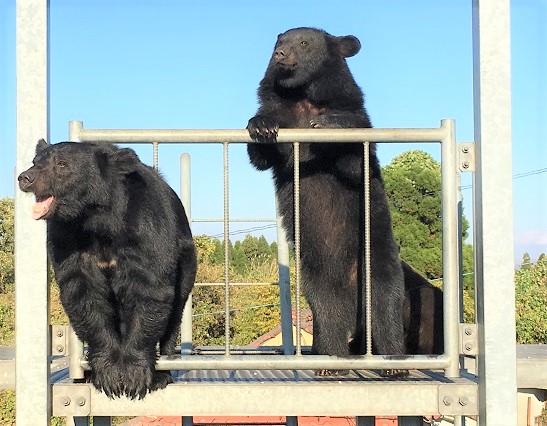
point(279, 54)
point(25, 180)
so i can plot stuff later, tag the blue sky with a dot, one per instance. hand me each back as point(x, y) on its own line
point(197, 64)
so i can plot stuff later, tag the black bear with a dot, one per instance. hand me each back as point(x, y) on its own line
point(309, 85)
point(123, 255)
point(422, 314)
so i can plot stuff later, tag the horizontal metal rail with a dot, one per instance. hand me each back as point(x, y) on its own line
point(242, 135)
point(298, 362)
point(210, 220)
point(247, 284)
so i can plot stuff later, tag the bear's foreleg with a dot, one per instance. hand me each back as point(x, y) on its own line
point(144, 312)
point(89, 305)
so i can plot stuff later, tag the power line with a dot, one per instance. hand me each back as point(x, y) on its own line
point(429, 193)
point(244, 231)
point(517, 176)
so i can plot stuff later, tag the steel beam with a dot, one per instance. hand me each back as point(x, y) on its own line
point(494, 261)
point(31, 290)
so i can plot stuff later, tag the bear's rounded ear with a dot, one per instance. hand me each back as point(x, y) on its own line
point(41, 145)
point(125, 160)
point(348, 45)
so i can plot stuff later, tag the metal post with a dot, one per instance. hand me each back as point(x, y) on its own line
point(186, 345)
point(296, 194)
point(226, 250)
point(33, 393)
point(450, 247)
point(76, 347)
point(494, 261)
point(284, 288)
point(186, 326)
point(410, 421)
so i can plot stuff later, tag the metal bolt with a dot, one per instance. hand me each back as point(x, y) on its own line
point(468, 346)
point(80, 401)
point(60, 333)
point(465, 149)
point(60, 348)
point(448, 400)
point(468, 331)
point(464, 401)
point(465, 164)
point(65, 400)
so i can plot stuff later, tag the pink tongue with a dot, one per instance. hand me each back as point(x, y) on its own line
point(41, 207)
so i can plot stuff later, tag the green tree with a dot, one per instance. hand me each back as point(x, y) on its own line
point(7, 234)
point(413, 187)
point(531, 301)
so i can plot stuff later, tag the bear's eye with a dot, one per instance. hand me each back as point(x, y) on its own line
point(61, 164)
point(304, 43)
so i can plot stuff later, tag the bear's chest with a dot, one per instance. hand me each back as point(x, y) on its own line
point(303, 111)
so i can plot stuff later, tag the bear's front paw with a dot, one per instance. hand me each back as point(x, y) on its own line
point(161, 380)
point(263, 129)
point(108, 379)
point(327, 121)
point(138, 378)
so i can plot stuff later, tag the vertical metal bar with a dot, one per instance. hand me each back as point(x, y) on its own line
point(155, 155)
point(365, 421)
point(410, 421)
point(296, 160)
point(226, 252)
point(185, 196)
point(102, 421)
point(284, 287)
point(77, 421)
point(450, 246)
point(32, 339)
point(494, 261)
point(291, 421)
point(368, 275)
point(460, 420)
point(76, 347)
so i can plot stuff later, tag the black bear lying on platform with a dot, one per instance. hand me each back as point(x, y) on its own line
point(123, 256)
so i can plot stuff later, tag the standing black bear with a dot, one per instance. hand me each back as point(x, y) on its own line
point(123, 257)
point(309, 85)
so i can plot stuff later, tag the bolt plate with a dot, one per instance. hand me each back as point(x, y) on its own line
point(469, 339)
point(71, 394)
point(466, 156)
point(462, 400)
point(59, 340)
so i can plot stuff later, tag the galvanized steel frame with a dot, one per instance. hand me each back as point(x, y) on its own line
point(493, 199)
point(445, 135)
point(31, 292)
point(493, 195)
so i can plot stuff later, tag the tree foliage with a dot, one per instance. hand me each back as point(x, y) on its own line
point(253, 309)
point(7, 240)
point(413, 186)
point(531, 301)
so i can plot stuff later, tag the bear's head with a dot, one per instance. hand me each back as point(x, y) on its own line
point(72, 180)
point(302, 54)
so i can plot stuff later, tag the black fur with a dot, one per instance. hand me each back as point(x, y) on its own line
point(123, 256)
point(422, 314)
point(309, 85)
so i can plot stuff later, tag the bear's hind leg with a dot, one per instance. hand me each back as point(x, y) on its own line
point(333, 323)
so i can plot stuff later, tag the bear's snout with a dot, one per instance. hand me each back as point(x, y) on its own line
point(284, 57)
point(279, 54)
point(26, 179)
